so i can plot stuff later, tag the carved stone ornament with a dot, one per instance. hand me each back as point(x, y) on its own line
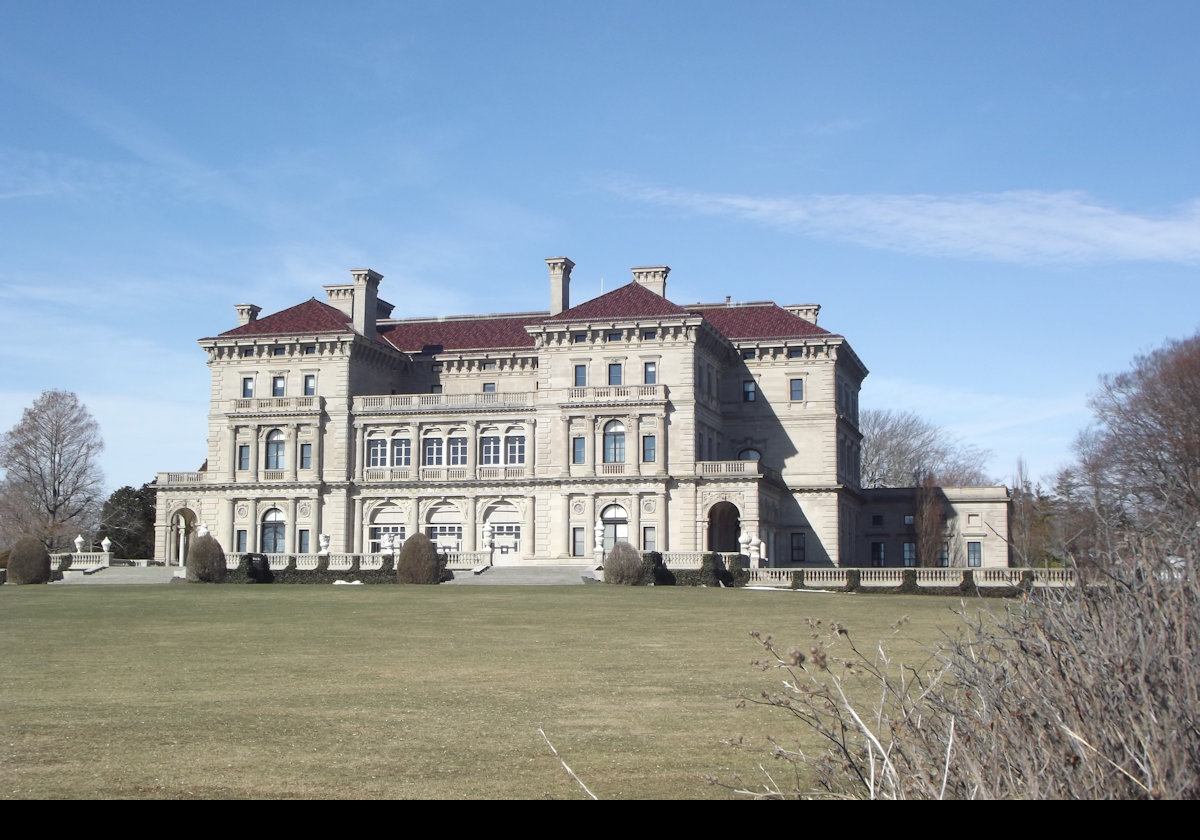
point(577, 508)
point(243, 511)
point(304, 510)
point(648, 506)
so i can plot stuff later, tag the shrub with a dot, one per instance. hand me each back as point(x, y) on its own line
point(710, 570)
point(623, 566)
point(1088, 692)
point(28, 562)
point(419, 561)
point(206, 560)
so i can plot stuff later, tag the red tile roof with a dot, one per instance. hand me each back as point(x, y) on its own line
point(309, 317)
point(630, 301)
point(478, 332)
point(745, 321)
point(737, 322)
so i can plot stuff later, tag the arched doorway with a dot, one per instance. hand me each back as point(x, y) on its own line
point(615, 520)
point(183, 524)
point(724, 527)
point(444, 525)
point(272, 541)
point(505, 522)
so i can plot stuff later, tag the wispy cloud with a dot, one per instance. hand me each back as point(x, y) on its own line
point(1019, 226)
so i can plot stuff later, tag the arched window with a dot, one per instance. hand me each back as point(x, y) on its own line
point(614, 442)
point(272, 532)
point(749, 455)
point(615, 520)
point(275, 450)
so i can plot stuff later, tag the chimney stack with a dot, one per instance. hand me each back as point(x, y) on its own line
point(653, 277)
point(560, 283)
point(247, 312)
point(366, 297)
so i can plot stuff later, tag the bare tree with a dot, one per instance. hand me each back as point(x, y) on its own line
point(900, 449)
point(929, 522)
point(52, 481)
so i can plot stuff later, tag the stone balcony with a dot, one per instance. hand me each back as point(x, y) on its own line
point(609, 394)
point(441, 403)
point(275, 405)
point(180, 478)
point(481, 473)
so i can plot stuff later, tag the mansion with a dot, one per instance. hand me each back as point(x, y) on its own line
point(544, 437)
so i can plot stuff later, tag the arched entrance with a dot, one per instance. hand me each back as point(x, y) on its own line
point(505, 522)
point(272, 541)
point(443, 525)
point(724, 527)
point(183, 524)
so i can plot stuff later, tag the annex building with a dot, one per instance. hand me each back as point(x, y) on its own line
point(544, 437)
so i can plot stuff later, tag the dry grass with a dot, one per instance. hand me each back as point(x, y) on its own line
point(307, 691)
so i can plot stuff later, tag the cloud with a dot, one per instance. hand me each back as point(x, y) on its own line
point(1025, 226)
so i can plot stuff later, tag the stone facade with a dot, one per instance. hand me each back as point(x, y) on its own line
point(542, 437)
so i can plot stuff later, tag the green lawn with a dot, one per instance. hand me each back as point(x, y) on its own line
point(390, 691)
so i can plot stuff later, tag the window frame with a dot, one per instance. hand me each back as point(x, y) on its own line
point(306, 456)
point(581, 376)
point(278, 386)
point(796, 389)
point(578, 450)
point(649, 449)
point(276, 450)
point(614, 442)
point(749, 391)
point(616, 374)
point(650, 373)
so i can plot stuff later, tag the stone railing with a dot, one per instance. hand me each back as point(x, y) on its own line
point(180, 478)
point(693, 559)
point(83, 560)
point(275, 404)
point(617, 393)
point(893, 576)
point(407, 403)
point(467, 559)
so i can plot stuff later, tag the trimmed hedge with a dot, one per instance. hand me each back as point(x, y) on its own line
point(28, 562)
point(206, 560)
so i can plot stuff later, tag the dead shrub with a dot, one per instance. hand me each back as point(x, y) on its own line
point(623, 565)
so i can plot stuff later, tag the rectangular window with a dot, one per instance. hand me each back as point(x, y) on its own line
point(943, 556)
point(580, 376)
point(877, 520)
point(435, 389)
point(401, 452)
point(648, 446)
point(910, 554)
point(279, 351)
point(797, 390)
point(650, 373)
point(243, 461)
point(795, 352)
point(649, 538)
point(310, 350)
point(748, 354)
point(239, 541)
point(576, 542)
point(614, 373)
point(909, 519)
point(310, 384)
point(649, 335)
point(458, 451)
point(749, 391)
point(614, 336)
point(247, 387)
point(579, 338)
point(247, 352)
point(514, 449)
point(433, 452)
point(489, 364)
point(489, 387)
point(302, 541)
point(975, 554)
point(877, 558)
point(489, 451)
point(798, 547)
point(306, 456)
point(277, 385)
point(377, 453)
point(578, 450)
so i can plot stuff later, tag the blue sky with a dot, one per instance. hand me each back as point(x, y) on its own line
point(995, 202)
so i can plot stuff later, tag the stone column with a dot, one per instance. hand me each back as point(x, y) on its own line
point(253, 532)
point(589, 511)
point(289, 516)
point(255, 466)
point(635, 521)
point(472, 456)
point(360, 451)
point(469, 514)
point(231, 450)
point(356, 525)
point(528, 544)
point(293, 456)
point(229, 517)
